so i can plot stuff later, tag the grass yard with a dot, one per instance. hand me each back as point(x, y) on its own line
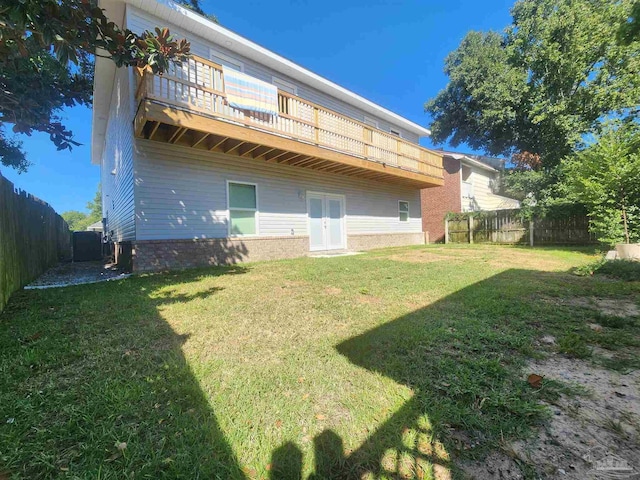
point(394, 364)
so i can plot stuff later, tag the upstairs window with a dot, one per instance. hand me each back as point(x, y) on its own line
point(372, 122)
point(403, 211)
point(284, 85)
point(395, 132)
point(225, 60)
point(243, 207)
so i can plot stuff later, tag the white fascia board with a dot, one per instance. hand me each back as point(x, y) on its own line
point(192, 22)
point(469, 161)
point(103, 78)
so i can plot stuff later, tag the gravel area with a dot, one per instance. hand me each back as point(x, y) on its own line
point(65, 274)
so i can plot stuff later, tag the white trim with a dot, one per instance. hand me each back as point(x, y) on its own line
point(277, 80)
point(343, 202)
point(191, 22)
point(233, 61)
point(408, 212)
point(256, 210)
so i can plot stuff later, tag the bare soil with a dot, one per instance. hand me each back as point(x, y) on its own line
point(583, 431)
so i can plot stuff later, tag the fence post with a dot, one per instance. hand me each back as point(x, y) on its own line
point(531, 232)
point(446, 230)
point(470, 228)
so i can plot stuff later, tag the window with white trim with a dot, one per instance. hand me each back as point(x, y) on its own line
point(284, 85)
point(403, 211)
point(243, 207)
point(225, 60)
point(370, 121)
point(395, 132)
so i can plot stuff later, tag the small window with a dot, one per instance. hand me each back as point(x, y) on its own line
point(395, 132)
point(372, 122)
point(284, 85)
point(403, 211)
point(243, 206)
point(225, 60)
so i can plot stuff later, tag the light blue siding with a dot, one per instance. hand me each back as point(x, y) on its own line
point(181, 193)
point(139, 21)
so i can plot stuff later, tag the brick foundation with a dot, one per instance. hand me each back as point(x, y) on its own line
point(436, 202)
point(158, 255)
point(371, 241)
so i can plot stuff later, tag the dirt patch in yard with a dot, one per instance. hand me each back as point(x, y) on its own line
point(606, 306)
point(422, 256)
point(587, 436)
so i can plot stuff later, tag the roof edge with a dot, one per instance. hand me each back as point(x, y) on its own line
point(165, 8)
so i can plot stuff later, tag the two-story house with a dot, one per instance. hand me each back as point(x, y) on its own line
point(240, 154)
point(470, 184)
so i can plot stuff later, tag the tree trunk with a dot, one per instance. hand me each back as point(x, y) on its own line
point(624, 222)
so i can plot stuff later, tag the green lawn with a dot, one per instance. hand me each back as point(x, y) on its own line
point(392, 364)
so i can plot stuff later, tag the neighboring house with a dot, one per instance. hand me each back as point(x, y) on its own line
point(240, 154)
point(469, 184)
point(95, 227)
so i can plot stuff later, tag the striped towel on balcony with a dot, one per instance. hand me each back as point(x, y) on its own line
point(248, 93)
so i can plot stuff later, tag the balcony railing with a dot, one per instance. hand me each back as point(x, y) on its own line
point(197, 85)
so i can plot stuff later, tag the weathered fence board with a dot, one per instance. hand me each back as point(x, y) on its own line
point(33, 237)
point(508, 227)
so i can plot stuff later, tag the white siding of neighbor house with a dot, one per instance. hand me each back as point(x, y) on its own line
point(181, 194)
point(117, 157)
point(139, 21)
point(483, 196)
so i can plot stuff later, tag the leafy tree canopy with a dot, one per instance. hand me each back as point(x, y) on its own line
point(47, 50)
point(544, 83)
point(605, 177)
point(80, 220)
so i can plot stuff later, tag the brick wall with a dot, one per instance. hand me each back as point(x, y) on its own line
point(158, 255)
point(369, 242)
point(436, 202)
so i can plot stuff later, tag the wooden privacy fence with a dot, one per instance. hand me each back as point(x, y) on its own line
point(33, 237)
point(508, 227)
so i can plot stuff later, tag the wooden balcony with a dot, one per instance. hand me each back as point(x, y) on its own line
point(187, 106)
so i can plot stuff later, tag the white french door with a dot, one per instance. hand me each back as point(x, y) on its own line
point(326, 221)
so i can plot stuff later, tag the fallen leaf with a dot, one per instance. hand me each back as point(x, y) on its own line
point(278, 423)
point(300, 379)
point(320, 416)
point(64, 469)
point(249, 471)
point(268, 467)
point(34, 337)
point(535, 380)
point(305, 396)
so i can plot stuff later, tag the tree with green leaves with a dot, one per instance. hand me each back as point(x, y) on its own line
point(538, 88)
point(605, 177)
point(76, 220)
point(80, 220)
point(47, 50)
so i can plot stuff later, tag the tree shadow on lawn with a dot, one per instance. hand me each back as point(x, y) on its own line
point(463, 358)
point(94, 384)
point(85, 372)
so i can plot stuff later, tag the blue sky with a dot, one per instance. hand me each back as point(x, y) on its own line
point(389, 51)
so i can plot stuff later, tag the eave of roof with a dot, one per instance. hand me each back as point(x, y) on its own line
point(470, 161)
point(192, 22)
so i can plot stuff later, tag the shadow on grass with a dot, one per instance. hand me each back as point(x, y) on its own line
point(462, 357)
point(94, 384)
point(89, 371)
